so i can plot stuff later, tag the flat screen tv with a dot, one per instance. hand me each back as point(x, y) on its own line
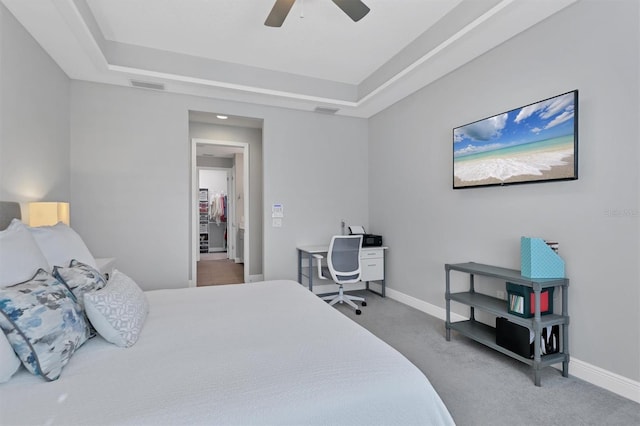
point(534, 143)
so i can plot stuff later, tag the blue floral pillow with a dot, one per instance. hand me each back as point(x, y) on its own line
point(43, 323)
point(80, 278)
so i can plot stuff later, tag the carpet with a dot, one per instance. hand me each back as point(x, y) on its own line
point(481, 386)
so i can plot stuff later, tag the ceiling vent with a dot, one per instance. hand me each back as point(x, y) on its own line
point(326, 110)
point(147, 85)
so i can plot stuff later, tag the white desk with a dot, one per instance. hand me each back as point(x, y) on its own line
point(371, 264)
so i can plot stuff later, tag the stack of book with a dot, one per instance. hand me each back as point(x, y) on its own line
point(552, 245)
point(516, 303)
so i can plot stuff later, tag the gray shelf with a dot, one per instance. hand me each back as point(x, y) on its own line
point(203, 214)
point(511, 275)
point(486, 334)
point(498, 307)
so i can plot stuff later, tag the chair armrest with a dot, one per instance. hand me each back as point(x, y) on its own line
point(319, 258)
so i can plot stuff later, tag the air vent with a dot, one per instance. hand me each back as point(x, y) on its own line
point(326, 110)
point(147, 85)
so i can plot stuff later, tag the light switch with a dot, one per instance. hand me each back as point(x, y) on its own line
point(277, 210)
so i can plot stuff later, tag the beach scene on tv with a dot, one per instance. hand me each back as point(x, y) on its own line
point(532, 143)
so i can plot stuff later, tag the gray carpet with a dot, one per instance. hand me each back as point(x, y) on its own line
point(483, 387)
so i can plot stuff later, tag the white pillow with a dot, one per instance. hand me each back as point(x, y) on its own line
point(60, 244)
point(9, 361)
point(117, 311)
point(20, 256)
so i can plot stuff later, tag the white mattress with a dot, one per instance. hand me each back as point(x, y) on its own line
point(260, 353)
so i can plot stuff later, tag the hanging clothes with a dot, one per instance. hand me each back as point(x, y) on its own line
point(218, 208)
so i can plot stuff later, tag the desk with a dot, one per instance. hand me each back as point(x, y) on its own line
point(371, 264)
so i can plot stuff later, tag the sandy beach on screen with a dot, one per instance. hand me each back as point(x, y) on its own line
point(553, 171)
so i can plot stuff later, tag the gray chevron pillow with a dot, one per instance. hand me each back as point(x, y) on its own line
point(118, 311)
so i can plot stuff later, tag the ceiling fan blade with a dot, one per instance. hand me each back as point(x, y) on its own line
point(279, 12)
point(355, 9)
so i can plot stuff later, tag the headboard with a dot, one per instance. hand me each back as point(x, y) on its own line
point(8, 211)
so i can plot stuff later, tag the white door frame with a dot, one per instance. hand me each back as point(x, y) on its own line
point(195, 248)
point(231, 213)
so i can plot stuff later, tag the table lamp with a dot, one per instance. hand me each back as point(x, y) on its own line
point(48, 213)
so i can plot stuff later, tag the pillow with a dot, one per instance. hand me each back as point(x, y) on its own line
point(80, 278)
point(20, 256)
point(60, 244)
point(9, 362)
point(43, 323)
point(118, 310)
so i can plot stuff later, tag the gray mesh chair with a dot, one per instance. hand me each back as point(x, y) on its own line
point(343, 267)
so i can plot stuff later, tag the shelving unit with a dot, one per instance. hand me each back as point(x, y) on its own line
point(203, 209)
point(486, 334)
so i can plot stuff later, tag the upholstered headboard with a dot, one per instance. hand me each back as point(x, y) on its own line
point(8, 211)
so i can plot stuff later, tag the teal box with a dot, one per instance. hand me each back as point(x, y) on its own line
point(538, 260)
point(522, 301)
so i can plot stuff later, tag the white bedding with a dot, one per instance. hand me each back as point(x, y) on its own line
point(260, 353)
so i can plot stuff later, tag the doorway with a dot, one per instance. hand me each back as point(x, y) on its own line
point(220, 213)
point(218, 263)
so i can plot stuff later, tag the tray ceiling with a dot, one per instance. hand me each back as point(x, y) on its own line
point(318, 58)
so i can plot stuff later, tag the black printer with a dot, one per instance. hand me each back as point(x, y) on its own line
point(368, 240)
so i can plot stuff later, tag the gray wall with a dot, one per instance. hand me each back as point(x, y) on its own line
point(130, 154)
point(34, 114)
point(590, 46)
point(316, 166)
point(130, 177)
point(254, 138)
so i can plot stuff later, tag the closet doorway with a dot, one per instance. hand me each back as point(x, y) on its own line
point(218, 263)
point(220, 212)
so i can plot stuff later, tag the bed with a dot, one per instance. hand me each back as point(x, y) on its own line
point(259, 353)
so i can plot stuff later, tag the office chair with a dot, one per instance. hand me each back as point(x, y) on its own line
point(343, 267)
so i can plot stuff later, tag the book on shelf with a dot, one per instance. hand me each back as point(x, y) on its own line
point(516, 303)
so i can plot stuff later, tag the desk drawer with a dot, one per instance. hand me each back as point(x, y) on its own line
point(371, 253)
point(372, 269)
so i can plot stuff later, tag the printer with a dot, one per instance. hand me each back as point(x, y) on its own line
point(368, 240)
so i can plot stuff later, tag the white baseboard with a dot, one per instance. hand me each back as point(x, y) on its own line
point(597, 376)
point(605, 379)
point(423, 306)
point(256, 278)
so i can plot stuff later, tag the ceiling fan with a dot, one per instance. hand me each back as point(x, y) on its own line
point(355, 9)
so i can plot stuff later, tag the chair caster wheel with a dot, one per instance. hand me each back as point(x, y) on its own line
point(358, 311)
point(364, 303)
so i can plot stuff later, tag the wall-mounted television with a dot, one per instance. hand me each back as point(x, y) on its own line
point(534, 143)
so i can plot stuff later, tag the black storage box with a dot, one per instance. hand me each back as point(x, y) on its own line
point(514, 337)
point(519, 339)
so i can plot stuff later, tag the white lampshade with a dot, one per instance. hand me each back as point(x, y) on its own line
point(46, 214)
